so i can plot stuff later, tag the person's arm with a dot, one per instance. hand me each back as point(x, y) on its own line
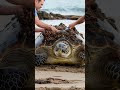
point(79, 21)
point(39, 23)
point(10, 10)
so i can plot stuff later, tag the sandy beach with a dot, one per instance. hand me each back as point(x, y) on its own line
point(55, 77)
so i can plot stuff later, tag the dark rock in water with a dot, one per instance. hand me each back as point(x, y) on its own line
point(44, 15)
point(70, 35)
point(57, 16)
point(51, 16)
point(72, 17)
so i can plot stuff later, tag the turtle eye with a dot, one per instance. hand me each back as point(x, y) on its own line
point(63, 51)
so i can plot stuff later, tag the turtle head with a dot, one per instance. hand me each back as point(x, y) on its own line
point(62, 49)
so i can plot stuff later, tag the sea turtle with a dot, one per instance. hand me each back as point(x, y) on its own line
point(61, 48)
point(102, 56)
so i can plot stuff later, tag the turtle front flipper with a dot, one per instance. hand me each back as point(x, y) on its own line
point(80, 54)
point(41, 56)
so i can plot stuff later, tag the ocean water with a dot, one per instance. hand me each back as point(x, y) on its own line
point(65, 7)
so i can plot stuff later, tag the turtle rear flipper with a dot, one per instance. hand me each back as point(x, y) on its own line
point(80, 54)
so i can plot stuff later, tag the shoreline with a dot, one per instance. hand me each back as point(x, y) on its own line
point(43, 15)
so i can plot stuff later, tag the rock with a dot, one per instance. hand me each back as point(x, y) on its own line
point(51, 16)
point(72, 17)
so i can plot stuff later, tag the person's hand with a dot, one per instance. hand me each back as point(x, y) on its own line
point(72, 25)
point(54, 29)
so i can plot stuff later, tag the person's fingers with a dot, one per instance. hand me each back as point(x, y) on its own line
point(70, 26)
point(58, 30)
point(54, 30)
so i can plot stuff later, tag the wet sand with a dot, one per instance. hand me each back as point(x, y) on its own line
point(55, 77)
